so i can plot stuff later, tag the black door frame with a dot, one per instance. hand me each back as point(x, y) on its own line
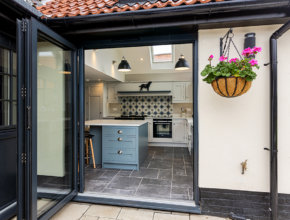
point(27, 35)
point(81, 119)
point(147, 41)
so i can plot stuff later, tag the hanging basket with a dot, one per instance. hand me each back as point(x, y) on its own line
point(231, 86)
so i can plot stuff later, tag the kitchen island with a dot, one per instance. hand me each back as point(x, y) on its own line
point(119, 144)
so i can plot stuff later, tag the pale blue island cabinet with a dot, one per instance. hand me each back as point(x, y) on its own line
point(119, 144)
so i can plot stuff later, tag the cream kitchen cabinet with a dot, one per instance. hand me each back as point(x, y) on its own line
point(189, 130)
point(182, 92)
point(178, 92)
point(150, 129)
point(188, 92)
point(179, 132)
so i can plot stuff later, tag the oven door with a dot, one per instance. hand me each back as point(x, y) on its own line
point(162, 129)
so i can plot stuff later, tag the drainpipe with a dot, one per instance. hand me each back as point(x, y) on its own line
point(274, 117)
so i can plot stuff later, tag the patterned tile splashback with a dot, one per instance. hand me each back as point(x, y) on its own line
point(152, 106)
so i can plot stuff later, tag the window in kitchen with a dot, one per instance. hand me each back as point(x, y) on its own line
point(162, 57)
point(162, 53)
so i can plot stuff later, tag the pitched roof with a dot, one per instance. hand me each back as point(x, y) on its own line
point(71, 8)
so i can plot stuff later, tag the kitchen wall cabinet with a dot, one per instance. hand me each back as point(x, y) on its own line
point(179, 133)
point(182, 92)
point(178, 92)
point(188, 92)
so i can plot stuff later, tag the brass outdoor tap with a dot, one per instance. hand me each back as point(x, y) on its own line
point(244, 166)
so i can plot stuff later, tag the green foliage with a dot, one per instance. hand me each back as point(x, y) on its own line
point(239, 68)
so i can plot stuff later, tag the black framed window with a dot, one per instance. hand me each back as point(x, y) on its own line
point(8, 91)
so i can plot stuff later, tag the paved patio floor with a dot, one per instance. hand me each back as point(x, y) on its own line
point(84, 211)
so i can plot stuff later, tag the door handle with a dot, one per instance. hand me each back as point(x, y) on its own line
point(29, 117)
point(120, 131)
point(120, 152)
point(120, 139)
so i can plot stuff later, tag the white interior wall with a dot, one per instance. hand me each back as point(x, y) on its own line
point(102, 61)
point(232, 130)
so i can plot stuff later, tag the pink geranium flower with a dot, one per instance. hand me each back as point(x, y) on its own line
point(210, 58)
point(257, 50)
point(234, 60)
point(247, 52)
point(253, 62)
point(223, 58)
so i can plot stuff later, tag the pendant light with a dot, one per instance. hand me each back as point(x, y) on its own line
point(182, 64)
point(124, 66)
point(67, 68)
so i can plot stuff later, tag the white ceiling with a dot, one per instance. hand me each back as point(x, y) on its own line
point(140, 61)
point(134, 55)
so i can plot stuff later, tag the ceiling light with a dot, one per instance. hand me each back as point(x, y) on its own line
point(141, 59)
point(181, 64)
point(124, 66)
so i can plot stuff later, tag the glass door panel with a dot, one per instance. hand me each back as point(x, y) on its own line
point(54, 124)
point(47, 131)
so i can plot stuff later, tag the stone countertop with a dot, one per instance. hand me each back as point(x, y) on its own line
point(108, 122)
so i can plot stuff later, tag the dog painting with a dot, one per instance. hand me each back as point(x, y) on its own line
point(145, 86)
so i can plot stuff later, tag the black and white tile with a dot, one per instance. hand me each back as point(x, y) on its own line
point(152, 106)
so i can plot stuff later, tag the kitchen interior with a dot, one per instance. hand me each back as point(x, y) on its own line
point(138, 117)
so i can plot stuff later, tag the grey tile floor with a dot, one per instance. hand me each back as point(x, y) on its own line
point(165, 174)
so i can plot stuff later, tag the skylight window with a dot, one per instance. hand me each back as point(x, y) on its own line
point(162, 54)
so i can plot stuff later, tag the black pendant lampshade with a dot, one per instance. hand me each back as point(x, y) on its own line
point(124, 66)
point(181, 64)
point(67, 68)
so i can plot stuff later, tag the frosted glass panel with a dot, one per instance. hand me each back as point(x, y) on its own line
point(54, 123)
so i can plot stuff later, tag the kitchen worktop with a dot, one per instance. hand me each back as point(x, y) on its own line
point(108, 122)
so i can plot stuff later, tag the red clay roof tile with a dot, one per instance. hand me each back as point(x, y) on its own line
point(71, 8)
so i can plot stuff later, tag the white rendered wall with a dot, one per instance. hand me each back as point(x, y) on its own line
point(232, 130)
point(284, 113)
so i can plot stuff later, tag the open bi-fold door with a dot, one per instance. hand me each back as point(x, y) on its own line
point(47, 120)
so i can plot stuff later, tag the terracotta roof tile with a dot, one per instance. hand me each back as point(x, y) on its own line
point(70, 8)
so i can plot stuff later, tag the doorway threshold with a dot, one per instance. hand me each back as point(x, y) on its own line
point(139, 202)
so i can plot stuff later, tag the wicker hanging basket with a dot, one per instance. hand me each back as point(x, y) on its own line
point(231, 86)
